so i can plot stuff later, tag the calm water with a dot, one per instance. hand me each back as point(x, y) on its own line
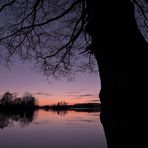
point(44, 129)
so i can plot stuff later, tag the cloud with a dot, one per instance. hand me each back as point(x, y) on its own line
point(42, 94)
point(79, 91)
point(89, 95)
point(73, 92)
point(96, 100)
point(84, 96)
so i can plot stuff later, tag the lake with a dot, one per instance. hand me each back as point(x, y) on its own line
point(44, 129)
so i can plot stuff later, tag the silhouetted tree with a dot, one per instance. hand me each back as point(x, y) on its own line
point(60, 106)
point(17, 101)
point(7, 99)
point(10, 100)
point(29, 101)
point(62, 103)
point(54, 33)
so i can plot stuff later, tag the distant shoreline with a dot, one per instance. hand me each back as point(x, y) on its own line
point(76, 107)
point(80, 106)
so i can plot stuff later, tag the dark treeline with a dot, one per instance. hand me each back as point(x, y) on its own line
point(86, 105)
point(29, 102)
point(9, 101)
point(62, 106)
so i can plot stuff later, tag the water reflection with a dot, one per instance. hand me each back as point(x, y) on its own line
point(62, 128)
point(23, 117)
point(68, 128)
point(60, 112)
point(63, 112)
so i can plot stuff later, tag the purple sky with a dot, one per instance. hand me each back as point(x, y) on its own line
point(20, 78)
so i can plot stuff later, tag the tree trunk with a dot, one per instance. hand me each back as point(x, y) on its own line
point(120, 50)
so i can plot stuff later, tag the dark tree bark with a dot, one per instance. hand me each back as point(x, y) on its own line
point(120, 50)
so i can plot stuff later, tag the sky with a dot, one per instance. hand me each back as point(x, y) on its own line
point(21, 78)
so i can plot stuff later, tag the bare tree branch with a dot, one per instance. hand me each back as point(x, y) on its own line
point(50, 33)
point(7, 5)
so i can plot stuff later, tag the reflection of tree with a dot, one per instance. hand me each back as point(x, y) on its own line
point(24, 117)
point(60, 112)
point(6, 99)
point(4, 121)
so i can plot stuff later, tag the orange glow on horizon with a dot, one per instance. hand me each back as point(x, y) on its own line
point(71, 100)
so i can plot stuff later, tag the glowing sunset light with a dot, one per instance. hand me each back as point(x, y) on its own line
point(21, 78)
point(70, 100)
